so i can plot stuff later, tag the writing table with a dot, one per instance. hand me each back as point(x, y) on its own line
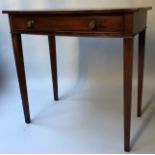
point(124, 23)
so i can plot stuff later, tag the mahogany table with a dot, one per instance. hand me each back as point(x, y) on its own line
point(124, 23)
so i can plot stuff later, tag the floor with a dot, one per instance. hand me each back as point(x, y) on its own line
point(88, 118)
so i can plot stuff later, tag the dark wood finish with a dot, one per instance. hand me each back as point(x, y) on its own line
point(18, 54)
point(125, 23)
point(52, 50)
point(128, 54)
point(136, 23)
point(139, 21)
point(128, 24)
point(107, 24)
point(79, 11)
point(141, 55)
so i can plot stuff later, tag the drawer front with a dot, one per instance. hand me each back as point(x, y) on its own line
point(107, 24)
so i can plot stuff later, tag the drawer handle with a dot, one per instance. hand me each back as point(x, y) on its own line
point(92, 24)
point(30, 23)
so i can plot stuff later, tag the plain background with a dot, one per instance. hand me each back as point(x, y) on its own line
point(89, 118)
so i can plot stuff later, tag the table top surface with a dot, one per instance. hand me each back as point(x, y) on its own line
point(79, 11)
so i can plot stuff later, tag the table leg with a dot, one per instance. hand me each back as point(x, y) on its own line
point(18, 55)
point(52, 49)
point(128, 60)
point(141, 55)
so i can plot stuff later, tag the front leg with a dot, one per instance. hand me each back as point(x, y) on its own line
point(128, 60)
point(18, 55)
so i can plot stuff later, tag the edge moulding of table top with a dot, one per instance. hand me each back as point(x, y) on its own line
point(124, 23)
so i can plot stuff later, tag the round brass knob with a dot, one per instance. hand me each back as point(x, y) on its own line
point(92, 24)
point(30, 23)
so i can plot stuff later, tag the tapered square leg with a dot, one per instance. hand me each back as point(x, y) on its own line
point(141, 56)
point(128, 60)
point(18, 55)
point(52, 49)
